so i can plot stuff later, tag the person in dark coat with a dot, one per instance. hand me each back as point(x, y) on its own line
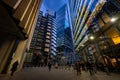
point(14, 68)
point(49, 65)
point(78, 67)
point(90, 67)
point(34, 60)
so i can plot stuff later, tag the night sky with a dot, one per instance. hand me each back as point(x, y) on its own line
point(52, 5)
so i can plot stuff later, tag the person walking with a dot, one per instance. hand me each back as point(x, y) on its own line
point(78, 67)
point(90, 67)
point(49, 65)
point(14, 68)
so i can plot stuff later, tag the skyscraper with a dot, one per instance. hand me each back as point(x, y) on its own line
point(104, 48)
point(96, 30)
point(44, 38)
point(17, 23)
point(82, 13)
point(64, 36)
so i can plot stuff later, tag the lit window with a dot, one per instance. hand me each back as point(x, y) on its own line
point(46, 49)
point(47, 40)
point(49, 27)
point(49, 24)
point(48, 33)
point(47, 45)
point(48, 37)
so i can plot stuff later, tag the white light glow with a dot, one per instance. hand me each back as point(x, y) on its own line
point(113, 19)
point(83, 45)
point(92, 37)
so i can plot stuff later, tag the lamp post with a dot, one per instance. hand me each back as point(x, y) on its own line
point(92, 37)
point(113, 19)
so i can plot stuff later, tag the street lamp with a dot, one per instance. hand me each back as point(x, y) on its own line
point(113, 19)
point(92, 37)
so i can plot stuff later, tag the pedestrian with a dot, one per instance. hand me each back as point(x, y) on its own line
point(34, 60)
point(107, 70)
point(49, 65)
point(42, 63)
point(38, 60)
point(90, 67)
point(56, 65)
point(83, 65)
point(14, 68)
point(78, 67)
point(94, 68)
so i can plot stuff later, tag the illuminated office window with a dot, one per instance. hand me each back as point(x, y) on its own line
point(49, 27)
point(47, 45)
point(46, 49)
point(48, 37)
point(47, 40)
point(48, 33)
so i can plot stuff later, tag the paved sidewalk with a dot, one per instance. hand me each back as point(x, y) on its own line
point(98, 76)
point(57, 74)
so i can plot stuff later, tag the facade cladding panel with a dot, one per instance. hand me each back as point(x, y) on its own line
point(45, 35)
point(64, 36)
point(17, 22)
point(82, 13)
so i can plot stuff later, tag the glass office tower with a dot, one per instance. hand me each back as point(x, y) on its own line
point(82, 12)
point(64, 36)
point(97, 18)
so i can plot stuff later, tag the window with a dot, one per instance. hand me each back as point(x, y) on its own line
point(48, 29)
point(48, 33)
point(47, 40)
point(46, 49)
point(38, 24)
point(47, 45)
point(42, 27)
point(37, 47)
point(48, 37)
point(49, 24)
point(39, 36)
point(39, 40)
point(34, 39)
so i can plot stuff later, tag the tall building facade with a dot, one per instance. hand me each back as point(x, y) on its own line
point(37, 40)
point(64, 36)
point(44, 38)
point(17, 23)
point(105, 28)
point(103, 24)
point(82, 12)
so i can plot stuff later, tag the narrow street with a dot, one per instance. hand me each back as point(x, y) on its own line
point(37, 73)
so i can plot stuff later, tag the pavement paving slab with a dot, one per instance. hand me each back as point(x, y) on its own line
point(38, 73)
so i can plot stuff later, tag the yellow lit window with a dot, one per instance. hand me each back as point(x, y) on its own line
point(48, 37)
point(46, 49)
point(48, 33)
point(116, 40)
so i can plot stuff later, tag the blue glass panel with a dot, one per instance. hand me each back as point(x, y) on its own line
point(93, 5)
